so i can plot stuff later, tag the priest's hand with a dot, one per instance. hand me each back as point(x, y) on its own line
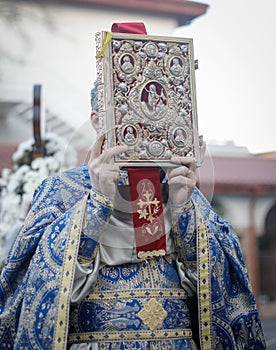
point(181, 179)
point(103, 173)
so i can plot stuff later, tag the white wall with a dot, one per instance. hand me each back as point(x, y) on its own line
point(59, 55)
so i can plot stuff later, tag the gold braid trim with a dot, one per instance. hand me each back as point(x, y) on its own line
point(70, 257)
point(130, 335)
point(139, 293)
point(180, 209)
point(101, 199)
point(204, 284)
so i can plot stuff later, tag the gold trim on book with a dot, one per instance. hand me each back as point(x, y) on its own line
point(130, 335)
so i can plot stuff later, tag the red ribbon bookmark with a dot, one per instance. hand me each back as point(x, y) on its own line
point(147, 212)
point(129, 27)
point(145, 192)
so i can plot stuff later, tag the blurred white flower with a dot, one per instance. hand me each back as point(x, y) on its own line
point(6, 173)
point(27, 176)
point(37, 163)
point(30, 186)
point(13, 185)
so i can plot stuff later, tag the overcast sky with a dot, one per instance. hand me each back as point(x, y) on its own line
point(235, 45)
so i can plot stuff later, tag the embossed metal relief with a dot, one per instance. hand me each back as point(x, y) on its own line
point(147, 97)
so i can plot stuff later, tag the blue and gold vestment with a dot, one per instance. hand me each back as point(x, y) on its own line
point(63, 228)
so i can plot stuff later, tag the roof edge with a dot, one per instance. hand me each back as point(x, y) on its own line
point(182, 10)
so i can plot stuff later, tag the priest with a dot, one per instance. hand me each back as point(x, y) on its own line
point(79, 277)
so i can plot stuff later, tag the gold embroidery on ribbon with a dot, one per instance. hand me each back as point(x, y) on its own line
point(146, 210)
point(71, 252)
point(151, 253)
point(152, 314)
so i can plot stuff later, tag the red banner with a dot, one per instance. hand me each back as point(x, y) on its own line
point(147, 211)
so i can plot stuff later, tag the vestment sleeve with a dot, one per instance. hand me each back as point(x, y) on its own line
point(40, 267)
point(207, 243)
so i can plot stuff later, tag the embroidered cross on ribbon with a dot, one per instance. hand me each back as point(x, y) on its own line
point(147, 212)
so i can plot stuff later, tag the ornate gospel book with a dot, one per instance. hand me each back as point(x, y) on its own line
point(146, 97)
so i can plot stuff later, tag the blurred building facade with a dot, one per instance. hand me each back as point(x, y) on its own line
point(242, 188)
point(52, 43)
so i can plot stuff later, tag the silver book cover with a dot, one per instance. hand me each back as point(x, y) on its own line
point(147, 97)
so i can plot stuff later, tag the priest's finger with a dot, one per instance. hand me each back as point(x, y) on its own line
point(187, 161)
point(96, 149)
point(114, 151)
